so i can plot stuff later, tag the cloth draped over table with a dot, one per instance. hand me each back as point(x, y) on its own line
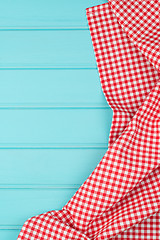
point(121, 198)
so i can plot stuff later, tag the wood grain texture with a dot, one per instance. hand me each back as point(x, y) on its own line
point(44, 13)
point(46, 49)
point(54, 126)
point(48, 167)
point(51, 88)
point(54, 119)
point(19, 204)
point(8, 234)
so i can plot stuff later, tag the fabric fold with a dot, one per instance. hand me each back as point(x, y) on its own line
point(133, 156)
point(124, 189)
point(126, 75)
point(120, 216)
point(141, 21)
point(50, 225)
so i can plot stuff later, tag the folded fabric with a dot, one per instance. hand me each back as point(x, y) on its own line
point(124, 189)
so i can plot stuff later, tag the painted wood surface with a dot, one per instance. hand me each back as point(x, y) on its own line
point(46, 49)
point(44, 14)
point(54, 119)
point(51, 88)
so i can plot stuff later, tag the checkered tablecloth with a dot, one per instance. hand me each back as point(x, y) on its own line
point(121, 198)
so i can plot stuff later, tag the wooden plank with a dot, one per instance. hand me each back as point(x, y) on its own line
point(44, 13)
point(17, 205)
point(9, 234)
point(53, 122)
point(20, 128)
point(51, 88)
point(49, 49)
point(50, 167)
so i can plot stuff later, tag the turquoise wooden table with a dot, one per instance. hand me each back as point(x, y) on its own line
point(54, 120)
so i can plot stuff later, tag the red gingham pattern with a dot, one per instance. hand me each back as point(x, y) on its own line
point(47, 226)
point(120, 216)
point(141, 21)
point(126, 76)
point(148, 229)
point(121, 198)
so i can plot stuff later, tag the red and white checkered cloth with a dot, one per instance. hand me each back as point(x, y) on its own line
point(121, 198)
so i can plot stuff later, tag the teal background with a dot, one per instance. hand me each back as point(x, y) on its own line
point(54, 120)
